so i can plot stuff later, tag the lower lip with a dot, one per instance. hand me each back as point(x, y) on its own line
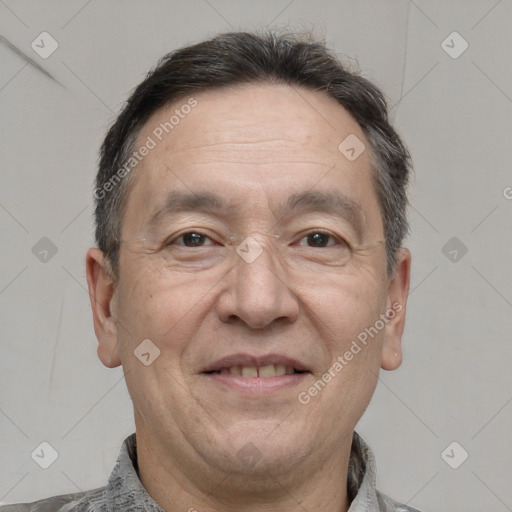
point(257, 385)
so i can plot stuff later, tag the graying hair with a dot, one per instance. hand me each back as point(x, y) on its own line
point(242, 58)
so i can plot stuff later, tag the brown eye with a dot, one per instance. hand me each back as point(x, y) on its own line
point(191, 239)
point(319, 239)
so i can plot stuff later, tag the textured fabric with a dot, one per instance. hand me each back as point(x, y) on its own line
point(124, 491)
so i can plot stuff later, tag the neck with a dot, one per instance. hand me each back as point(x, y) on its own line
point(180, 483)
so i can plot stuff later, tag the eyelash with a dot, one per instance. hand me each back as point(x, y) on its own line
point(337, 239)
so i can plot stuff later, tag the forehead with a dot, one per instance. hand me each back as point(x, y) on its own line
point(266, 121)
point(257, 144)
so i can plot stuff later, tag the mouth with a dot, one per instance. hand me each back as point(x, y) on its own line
point(260, 375)
point(252, 372)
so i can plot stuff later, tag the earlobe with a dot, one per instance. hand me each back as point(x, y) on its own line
point(398, 290)
point(102, 296)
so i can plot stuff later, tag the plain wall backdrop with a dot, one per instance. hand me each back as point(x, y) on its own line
point(451, 104)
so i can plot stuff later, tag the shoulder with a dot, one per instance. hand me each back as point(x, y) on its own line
point(386, 504)
point(89, 501)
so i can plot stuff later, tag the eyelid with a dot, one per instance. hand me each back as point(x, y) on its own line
point(235, 239)
point(173, 238)
point(327, 232)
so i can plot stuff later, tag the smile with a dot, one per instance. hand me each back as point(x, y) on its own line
point(252, 372)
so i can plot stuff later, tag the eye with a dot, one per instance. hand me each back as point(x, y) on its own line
point(319, 239)
point(191, 239)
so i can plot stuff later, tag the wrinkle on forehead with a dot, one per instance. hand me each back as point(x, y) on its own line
point(259, 123)
point(256, 142)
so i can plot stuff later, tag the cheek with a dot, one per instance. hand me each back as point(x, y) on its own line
point(345, 303)
point(163, 307)
point(347, 315)
point(344, 309)
point(168, 310)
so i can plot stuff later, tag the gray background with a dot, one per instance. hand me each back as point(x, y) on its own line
point(455, 115)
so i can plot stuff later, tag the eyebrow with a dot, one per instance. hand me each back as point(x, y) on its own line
point(309, 201)
point(332, 204)
point(179, 202)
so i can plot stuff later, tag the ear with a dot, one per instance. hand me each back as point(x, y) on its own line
point(102, 293)
point(398, 290)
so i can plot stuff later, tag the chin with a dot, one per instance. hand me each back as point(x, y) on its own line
point(260, 450)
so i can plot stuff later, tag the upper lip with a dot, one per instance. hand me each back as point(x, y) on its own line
point(254, 361)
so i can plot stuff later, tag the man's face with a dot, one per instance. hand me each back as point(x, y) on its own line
point(269, 158)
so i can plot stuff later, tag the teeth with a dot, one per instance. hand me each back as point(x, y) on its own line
point(267, 371)
point(251, 372)
point(282, 370)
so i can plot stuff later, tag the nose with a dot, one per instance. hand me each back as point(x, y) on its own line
point(257, 294)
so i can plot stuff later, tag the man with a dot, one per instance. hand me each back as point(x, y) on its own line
point(249, 278)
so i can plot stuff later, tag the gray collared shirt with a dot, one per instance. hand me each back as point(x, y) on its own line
point(124, 491)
